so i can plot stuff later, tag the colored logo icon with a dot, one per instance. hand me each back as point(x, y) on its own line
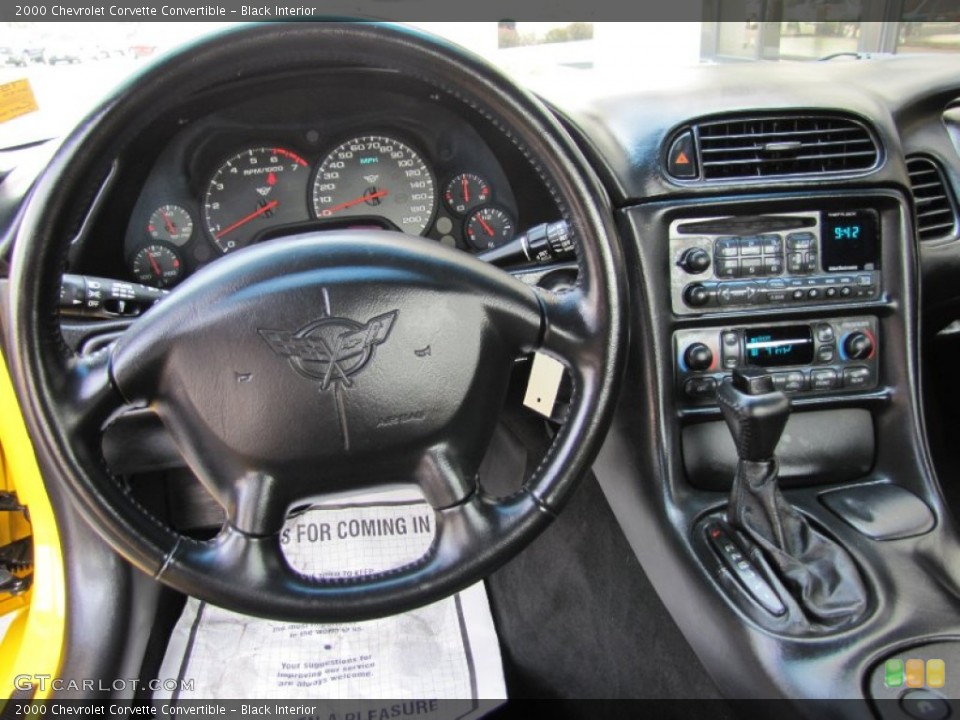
point(915, 673)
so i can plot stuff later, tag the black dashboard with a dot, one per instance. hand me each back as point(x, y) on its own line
point(809, 263)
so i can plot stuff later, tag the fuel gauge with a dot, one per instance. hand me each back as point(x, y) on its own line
point(170, 223)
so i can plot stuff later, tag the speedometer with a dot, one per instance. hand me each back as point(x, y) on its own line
point(376, 177)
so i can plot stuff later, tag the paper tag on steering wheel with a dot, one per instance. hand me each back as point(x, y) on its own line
point(544, 384)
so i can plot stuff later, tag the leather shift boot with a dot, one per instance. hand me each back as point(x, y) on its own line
point(819, 573)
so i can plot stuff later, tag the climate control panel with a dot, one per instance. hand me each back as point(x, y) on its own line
point(733, 263)
point(823, 356)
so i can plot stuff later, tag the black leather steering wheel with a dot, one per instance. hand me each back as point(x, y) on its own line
point(293, 323)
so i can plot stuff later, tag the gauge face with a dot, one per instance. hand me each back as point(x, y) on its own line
point(170, 223)
point(253, 191)
point(156, 265)
point(465, 192)
point(488, 228)
point(376, 176)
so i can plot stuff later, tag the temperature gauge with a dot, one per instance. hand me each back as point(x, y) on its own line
point(488, 228)
point(170, 223)
point(466, 192)
point(157, 265)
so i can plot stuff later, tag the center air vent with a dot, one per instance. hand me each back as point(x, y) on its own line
point(936, 214)
point(783, 145)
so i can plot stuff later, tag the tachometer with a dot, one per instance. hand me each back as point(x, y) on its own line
point(253, 191)
point(376, 176)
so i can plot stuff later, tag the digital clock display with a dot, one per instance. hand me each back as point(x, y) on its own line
point(779, 346)
point(847, 232)
point(851, 241)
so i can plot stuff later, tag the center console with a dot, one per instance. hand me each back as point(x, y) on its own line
point(818, 289)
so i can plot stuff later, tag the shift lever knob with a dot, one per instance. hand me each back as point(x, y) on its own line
point(755, 411)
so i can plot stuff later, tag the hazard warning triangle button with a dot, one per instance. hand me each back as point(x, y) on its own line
point(682, 160)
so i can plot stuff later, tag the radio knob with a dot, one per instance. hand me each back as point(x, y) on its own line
point(698, 357)
point(695, 260)
point(696, 295)
point(858, 346)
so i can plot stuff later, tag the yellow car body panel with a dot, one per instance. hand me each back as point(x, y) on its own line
point(32, 644)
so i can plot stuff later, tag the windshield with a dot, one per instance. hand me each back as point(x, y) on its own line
point(52, 73)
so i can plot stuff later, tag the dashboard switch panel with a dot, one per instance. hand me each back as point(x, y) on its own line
point(804, 358)
point(723, 264)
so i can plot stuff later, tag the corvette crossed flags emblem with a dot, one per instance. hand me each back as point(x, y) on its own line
point(331, 349)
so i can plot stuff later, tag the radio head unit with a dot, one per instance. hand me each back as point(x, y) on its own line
point(801, 258)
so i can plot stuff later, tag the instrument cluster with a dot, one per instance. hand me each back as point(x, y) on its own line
point(253, 192)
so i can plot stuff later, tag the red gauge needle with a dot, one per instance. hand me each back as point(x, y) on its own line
point(243, 221)
point(171, 228)
point(466, 188)
point(355, 201)
point(486, 227)
point(154, 265)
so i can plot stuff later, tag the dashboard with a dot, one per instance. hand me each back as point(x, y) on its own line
point(358, 149)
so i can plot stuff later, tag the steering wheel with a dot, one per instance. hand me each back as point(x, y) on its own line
point(289, 370)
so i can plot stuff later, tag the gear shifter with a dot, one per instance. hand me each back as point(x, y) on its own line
point(818, 572)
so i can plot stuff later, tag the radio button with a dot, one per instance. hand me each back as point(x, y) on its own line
point(700, 387)
point(751, 267)
point(696, 295)
point(727, 268)
point(772, 244)
point(795, 262)
point(738, 293)
point(823, 379)
point(856, 377)
point(750, 246)
point(799, 295)
point(830, 292)
point(825, 333)
point(772, 265)
point(695, 261)
point(800, 241)
point(813, 293)
point(846, 291)
point(727, 247)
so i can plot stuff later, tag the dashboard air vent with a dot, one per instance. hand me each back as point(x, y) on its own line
point(936, 213)
point(783, 145)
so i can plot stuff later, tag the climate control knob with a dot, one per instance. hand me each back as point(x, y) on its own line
point(858, 346)
point(695, 260)
point(698, 357)
point(696, 295)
